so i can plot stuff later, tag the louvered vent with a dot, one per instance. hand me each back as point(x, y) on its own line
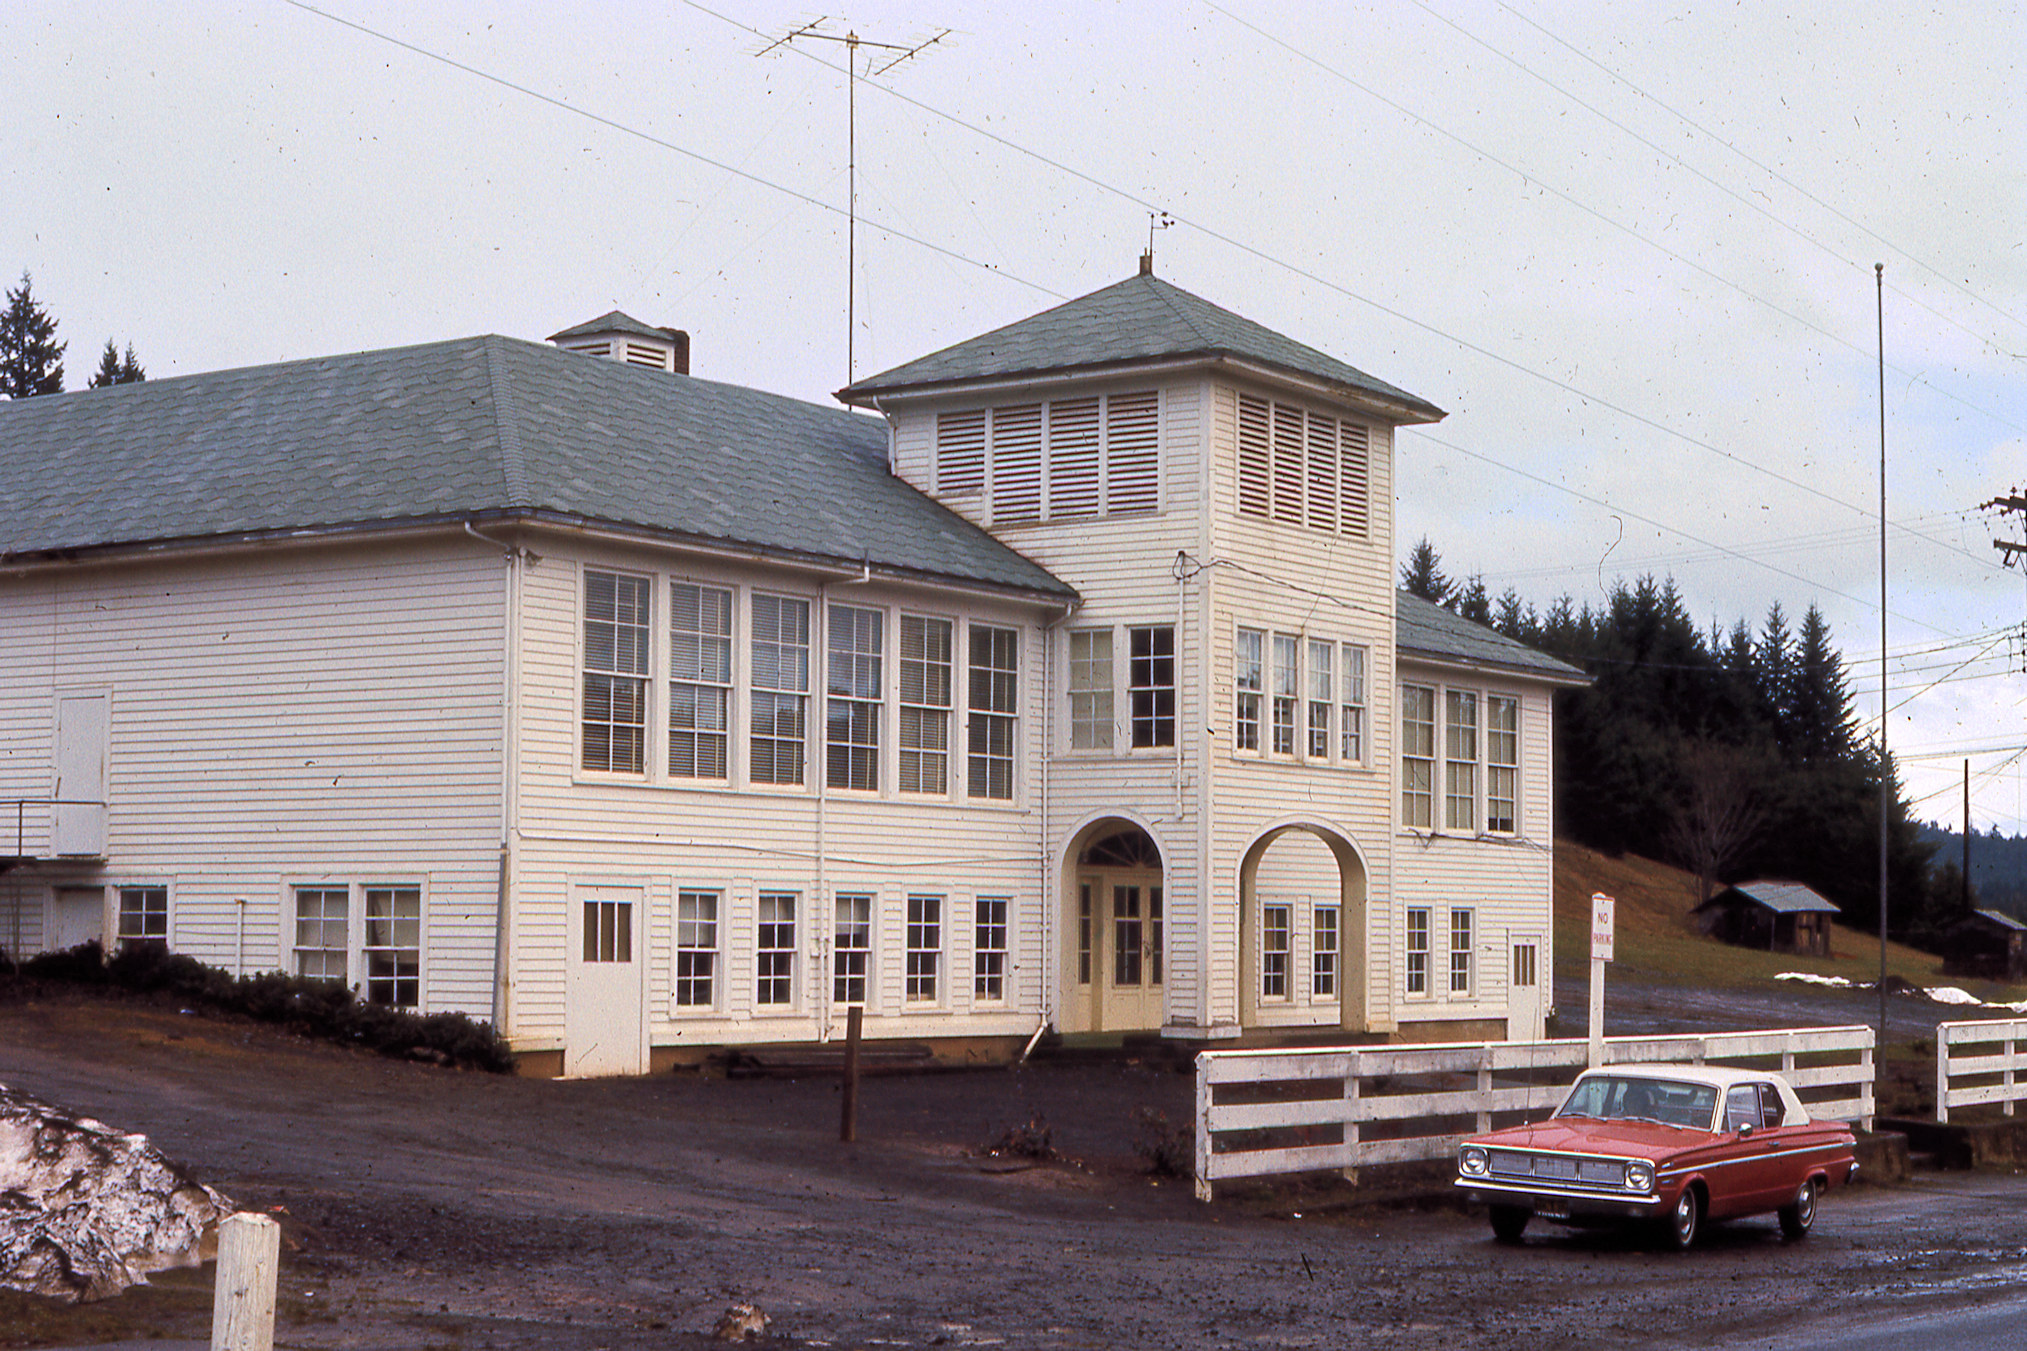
point(1017, 463)
point(1133, 452)
point(1073, 458)
point(960, 453)
point(1303, 468)
point(623, 338)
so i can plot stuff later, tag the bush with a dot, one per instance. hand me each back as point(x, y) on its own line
point(1031, 1140)
point(1164, 1148)
point(323, 1009)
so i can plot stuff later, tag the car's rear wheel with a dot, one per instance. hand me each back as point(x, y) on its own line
point(1685, 1219)
point(1799, 1214)
point(1510, 1222)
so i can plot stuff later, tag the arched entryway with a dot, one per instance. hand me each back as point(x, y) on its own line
point(1115, 931)
point(1302, 930)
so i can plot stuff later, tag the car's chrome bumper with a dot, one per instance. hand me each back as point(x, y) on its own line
point(1558, 1200)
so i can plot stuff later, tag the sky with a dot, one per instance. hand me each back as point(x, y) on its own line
point(1630, 249)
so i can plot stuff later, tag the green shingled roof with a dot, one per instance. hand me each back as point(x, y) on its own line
point(477, 427)
point(1434, 633)
point(1138, 321)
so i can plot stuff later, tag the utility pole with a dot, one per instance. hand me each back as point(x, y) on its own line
point(900, 52)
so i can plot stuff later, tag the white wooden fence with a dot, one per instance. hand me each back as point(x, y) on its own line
point(1979, 1063)
point(1344, 1107)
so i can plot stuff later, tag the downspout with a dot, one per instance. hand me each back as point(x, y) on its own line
point(1051, 892)
point(819, 680)
point(510, 774)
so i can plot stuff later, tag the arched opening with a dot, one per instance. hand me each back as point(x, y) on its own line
point(1115, 939)
point(1302, 931)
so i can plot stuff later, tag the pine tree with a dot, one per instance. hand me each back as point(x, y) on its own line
point(1820, 716)
point(31, 360)
point(1423, 575)
point(1473, 602)
point(117, 370)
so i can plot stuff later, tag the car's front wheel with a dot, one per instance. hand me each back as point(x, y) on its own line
point(1510, 1222)
point(1799, 1214)
point(1685, 1219)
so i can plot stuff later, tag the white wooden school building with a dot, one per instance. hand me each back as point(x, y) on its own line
point(1058, 681)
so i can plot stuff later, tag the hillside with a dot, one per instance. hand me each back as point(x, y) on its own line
point(1657, 939)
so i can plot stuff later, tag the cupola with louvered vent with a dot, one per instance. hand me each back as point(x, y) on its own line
point(621, 337)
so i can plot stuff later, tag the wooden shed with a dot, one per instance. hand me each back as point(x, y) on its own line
point(1987, 943)
point(1777, 916)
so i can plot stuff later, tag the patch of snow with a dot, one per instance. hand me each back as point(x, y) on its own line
point(1950, 994)
point(1811, 978)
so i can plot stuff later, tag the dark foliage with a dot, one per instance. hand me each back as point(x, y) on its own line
point(323, 1009)
point(31, 360)
point(1032, 1139)
point(1164, 1148)
point(115, 369)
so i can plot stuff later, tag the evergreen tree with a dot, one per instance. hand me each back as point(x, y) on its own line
point(1819, 714)
point(1774, 672)
point(1472, 602)
point(1515, 620)
point(1423, 575)
point(117, 370)
point(31, 360)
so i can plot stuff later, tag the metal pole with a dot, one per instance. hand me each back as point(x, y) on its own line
point(1885, 771)
point(852, 195)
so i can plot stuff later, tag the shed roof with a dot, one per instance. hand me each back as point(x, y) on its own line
point(2001, 919)
point(1137, 321)
point(1426, 630)
point(475, 428)
point(1783, 898)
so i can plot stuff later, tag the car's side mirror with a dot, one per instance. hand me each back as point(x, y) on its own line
point(1745, 1131)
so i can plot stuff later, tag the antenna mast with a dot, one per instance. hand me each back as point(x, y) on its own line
point(901, 51)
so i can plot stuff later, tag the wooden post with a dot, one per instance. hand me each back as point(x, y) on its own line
point(1353, 1067)
point(1943, 1075)
point(242, 1300)
point(2012, 1059)
point(848, 1128)
point(1202, 1140)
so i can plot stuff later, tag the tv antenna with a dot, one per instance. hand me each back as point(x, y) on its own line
point(890, 54)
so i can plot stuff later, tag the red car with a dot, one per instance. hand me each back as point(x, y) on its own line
point(1675, 1144)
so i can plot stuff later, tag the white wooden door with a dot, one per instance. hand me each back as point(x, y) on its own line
point(605, 1022)
point(1130, 969)
point(1525, 1009)
point(78, 915)
point(79, 817)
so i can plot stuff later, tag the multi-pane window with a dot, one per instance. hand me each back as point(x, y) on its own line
point(696, 949)
point(995, 701)
point(608, 930)
point(924, 949)
point(1418, 951)
point(856, 687)
point(700, 680)
point(393, 946)
point(1276, 941)
point(1322, 697)
point(1418, 757)
point(1460, 760)
point(774, 950)
point(1502, 761)
point(1351, 714)
point(1287, 684)
point(780, 688)
point(1460, 952)
point(1091, 689)
point(1084, 934)
point(615, 672)
point(323, 932)
point(144, 916)
point(1150, 685)
point(1248, 680)
point(1323, 947)
point(851, 948)
point(988, 949)
point(1303, 468)
point(925, 704)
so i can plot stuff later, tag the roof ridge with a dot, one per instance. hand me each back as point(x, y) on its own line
point(506, 423)
point(1161, 290)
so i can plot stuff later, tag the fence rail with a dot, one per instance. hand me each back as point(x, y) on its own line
point(1977, 1077)
point(1340, 1108)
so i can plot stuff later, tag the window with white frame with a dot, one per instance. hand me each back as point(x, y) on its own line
point(1460, 760)
point(856, 686)
point(1322, 697)
point(1277, 940)
point(1287, 686)
point(774, 950)
point(1091, 689)
point(608, 929)
point(615, 672)
point(780, 688)
point(1418, 951)
point(995, 704)
point(924, 967)
point(1502, 763)
point(1150, 685)
point(1461, 939)
point(700, 680)
point(1248, 681)
point(1323, 947)
point(851, 947)
point(925, 704)
point(1351, 714)
point(988, 949)
point(697, 949)
point(1084, 933)
point(392, 946)
point(323, 933)
point(1418, 757)
point(1304, 468)
point(144, 916)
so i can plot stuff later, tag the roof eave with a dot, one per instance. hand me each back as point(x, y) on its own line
point(1420, 656)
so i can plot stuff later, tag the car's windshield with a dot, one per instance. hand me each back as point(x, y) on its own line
point(1612, 1097)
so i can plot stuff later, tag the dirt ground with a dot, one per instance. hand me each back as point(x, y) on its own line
point(436, 1209)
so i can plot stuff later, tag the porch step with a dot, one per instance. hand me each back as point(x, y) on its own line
point(810, 1059)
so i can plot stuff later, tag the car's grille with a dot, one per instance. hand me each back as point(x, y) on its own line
point(1514, 1163)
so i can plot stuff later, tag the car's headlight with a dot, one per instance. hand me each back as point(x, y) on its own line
point(1640, 1176)
point(1471, 1161)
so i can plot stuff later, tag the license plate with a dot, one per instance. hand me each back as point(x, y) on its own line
point(1552, 1210)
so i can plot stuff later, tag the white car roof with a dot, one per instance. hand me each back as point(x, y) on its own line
point(1720, 1077)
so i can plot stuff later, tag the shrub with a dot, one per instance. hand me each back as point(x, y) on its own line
point(1027, 1141)
point(1164, 1148)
